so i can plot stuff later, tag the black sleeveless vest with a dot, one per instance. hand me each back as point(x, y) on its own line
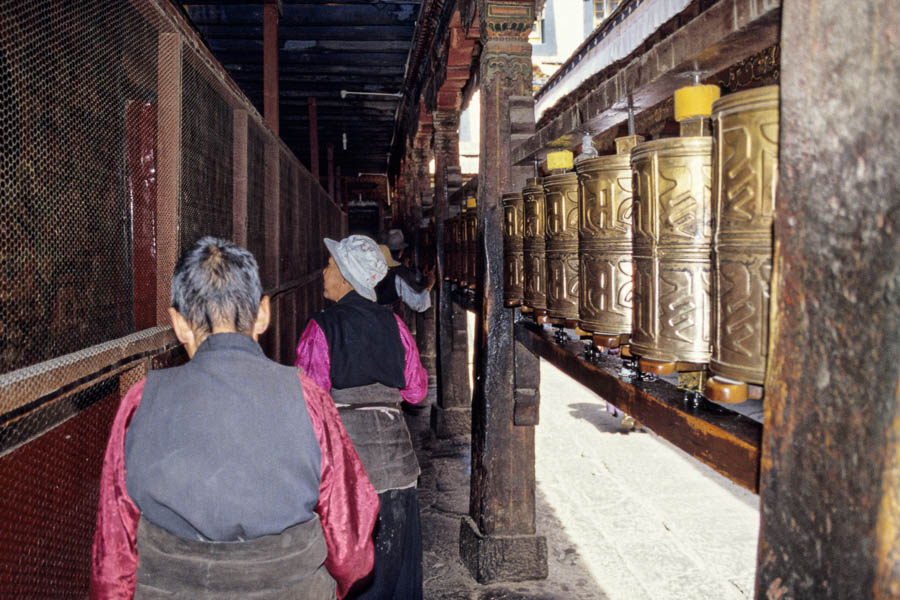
point(363, 342)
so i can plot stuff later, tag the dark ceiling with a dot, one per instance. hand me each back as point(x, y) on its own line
point(325, 46)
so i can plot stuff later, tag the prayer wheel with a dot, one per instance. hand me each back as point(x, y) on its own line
point(605, 244)
point(672, 248)
point(471, 226)
point(745, 174)
point(534, 248)
point(561, 222)
point(513, 252)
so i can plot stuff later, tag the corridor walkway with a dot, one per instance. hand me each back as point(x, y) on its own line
point(626, 515)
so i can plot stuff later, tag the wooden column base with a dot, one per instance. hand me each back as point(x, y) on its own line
point(512, 303)
point(527, 309)
point(656, 367)
point(605, 340)
point(497, 558)
point(451, 422)
point(625, 351)
point(541, 316)
point(722, 389)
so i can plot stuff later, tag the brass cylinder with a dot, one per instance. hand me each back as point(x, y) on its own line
point(672, 246)
point(534, 245)
point(561, 222)
point(605, 244)
point(745, 174)
point(471, 226)
point(513, 253)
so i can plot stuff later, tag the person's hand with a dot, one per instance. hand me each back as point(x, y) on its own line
point(430, 276)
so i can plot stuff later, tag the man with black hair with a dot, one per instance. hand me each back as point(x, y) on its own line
point(230, 476)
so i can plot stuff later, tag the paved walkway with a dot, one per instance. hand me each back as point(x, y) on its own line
point(627, 516)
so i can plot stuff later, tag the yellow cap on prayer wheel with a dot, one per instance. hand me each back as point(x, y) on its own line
point(560, 160)
point(471, 202)
point(695, 101)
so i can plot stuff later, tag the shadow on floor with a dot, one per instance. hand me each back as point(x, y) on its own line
point(444, 500)
point(597, 415)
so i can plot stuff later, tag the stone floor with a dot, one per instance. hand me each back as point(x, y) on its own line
point(627, 516)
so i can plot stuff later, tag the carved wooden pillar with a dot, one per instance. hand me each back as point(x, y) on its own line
point(497, 540)
point(452, 414)
point(830, 473)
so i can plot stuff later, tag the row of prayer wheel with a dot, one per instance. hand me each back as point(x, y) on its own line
point(664, 249)
point(460, 247)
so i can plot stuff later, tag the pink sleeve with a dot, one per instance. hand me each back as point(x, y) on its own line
point(416, 377)
point(348, 504)
point(114, 557)
point(313, 357)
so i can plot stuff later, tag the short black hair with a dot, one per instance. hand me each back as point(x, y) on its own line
point(217, 282)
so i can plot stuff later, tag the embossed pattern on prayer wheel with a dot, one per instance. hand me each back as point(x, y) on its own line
point(513, 253)
point(534, 245)
point(746, 168)
point(561, 222)
point(605, 244)
point(672, 246)
point(471, 227)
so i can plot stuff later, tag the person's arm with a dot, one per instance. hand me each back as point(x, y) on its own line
point(114, 556)
point(313, 357)
point(414, 372)
point(348, 504)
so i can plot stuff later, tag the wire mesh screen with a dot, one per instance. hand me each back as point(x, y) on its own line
point(119, 147)
point(207, 128)
point(66, 253)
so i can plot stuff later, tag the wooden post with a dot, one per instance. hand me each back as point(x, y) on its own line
point(168, 180)
point(329, 152)
point(239, 179)
point(270, 63)
point(830, 471)
point(497, 539)
point(273, 242)
point(313, 139)
point(451, 415)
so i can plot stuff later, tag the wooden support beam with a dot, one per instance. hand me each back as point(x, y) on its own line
point(239, 179)
point(498, 540)
point(830, 481)
point(313, 139)
point(270, 64)
point(329, 152)
point(168, 181)
point(728, 31)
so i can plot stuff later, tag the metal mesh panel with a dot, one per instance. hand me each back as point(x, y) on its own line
point(65, 244)
point(207, 129)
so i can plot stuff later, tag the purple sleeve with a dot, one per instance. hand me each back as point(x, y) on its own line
point(312, 355)
point(416, 377)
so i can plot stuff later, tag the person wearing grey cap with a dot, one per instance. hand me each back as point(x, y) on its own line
point(365, 356)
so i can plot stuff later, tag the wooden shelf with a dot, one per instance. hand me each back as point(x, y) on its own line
point(727, 441)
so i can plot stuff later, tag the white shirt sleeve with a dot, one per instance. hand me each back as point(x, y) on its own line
point(418, 301)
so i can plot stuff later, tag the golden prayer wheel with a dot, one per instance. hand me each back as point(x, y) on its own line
point(561, 206)
point(513, 253)
point(745, 174)
point(534, 247)
point(672, 246)
point(471, 226)
point(605, 244)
